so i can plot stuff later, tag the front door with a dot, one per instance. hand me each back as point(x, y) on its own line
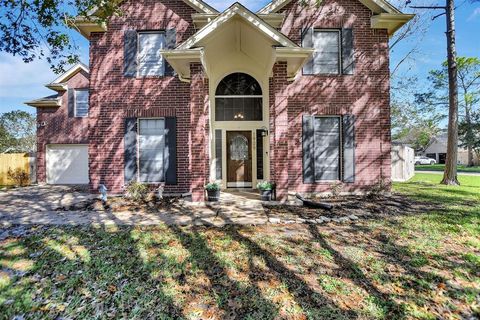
point(239, 159)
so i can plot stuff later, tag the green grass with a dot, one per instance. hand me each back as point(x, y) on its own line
point(441, 167)
point(422, 265)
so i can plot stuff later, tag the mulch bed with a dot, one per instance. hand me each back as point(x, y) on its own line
point(360, 206)
point(121, 204)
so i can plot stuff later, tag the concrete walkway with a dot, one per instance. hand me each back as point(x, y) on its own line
point(39, 205)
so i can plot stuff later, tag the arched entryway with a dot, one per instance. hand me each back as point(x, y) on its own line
point(240, 131)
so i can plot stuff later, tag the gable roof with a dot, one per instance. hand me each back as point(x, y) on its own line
point(91, 23)
point(377, 6)
point(70, 73)
point(46, 102)
point(58, 85)
point(249, 17)
point(200, 6)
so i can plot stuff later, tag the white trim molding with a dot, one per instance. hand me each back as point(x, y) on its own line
point(377, 6)
point(391, 22)
point(47, 102)
point(237, 10)
point(70, 73)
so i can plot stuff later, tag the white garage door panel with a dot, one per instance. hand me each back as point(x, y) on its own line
point(67, 164)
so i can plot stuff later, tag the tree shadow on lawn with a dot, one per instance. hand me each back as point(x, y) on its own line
point(234, 298)
point(427, 275)
point(313, 303)
point(80, 272)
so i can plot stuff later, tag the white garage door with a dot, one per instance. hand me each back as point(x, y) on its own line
point(67, 164)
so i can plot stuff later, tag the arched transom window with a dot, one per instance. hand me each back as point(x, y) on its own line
point(238, 98)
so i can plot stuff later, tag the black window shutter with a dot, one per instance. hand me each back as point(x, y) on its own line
point(348, 60)
point(349, 148)
point(171, 43)
point(308, 150)
point(218, 154)
point(130, 155)
point(170, 153)
point(307, 42)
point(130, 54)
point(71, 103)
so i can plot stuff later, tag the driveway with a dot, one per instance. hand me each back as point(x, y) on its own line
point(41, 204)
point(40, 199)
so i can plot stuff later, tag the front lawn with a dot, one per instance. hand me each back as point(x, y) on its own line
point(441, 167)
point(422, 265)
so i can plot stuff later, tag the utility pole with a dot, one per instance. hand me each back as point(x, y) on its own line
point(450, 173)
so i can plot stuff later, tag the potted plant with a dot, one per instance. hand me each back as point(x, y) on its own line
point(213, 191)
point(266, 188)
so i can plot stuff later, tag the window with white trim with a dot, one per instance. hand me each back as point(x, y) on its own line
point(327, 56)
point(150, 61)
point(151, 148)
point(81, 103)
point(238, 98)
point(327, 144)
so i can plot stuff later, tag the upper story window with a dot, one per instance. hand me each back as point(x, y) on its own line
point(81, 103)
point(333, 51)
point(150, 61)
point(238, 98)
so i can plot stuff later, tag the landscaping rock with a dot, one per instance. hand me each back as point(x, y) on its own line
point(274, 220)
point(353, 217)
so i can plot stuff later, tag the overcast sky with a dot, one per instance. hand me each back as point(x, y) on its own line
point(20, 82)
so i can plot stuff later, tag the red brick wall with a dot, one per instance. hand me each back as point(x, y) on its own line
point(60, 128)
point(200, 161)
point(114, 97)
point(364, 94)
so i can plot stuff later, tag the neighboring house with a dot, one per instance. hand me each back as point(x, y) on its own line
point(437, 149)
point(181, 95)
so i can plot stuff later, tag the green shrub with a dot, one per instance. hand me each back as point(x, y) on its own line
point(136, 191)
point(20, 177)
point(265, 185)
point(213, 186)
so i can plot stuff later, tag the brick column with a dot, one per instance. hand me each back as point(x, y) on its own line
point(279, 130)
point(199, 159)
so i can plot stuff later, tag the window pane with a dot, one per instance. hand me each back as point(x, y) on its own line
point(238, 109)
point(327, 148)
point(239, 84)
point(151, 146)
point(150, 61)
point(81, 103)
point(326, 58)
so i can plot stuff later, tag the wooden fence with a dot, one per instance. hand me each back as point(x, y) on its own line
point(23, 161)
point(403, 163)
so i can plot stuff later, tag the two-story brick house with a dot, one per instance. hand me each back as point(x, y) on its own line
point(181, 94)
